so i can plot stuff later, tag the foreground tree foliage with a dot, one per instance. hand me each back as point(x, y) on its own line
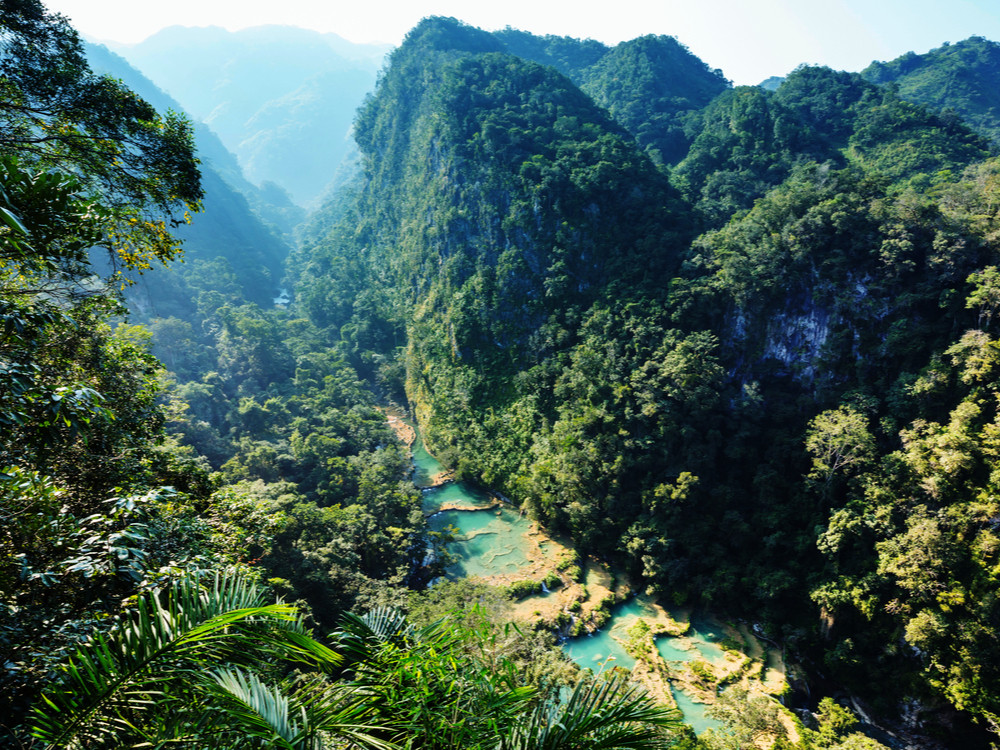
point(57, 115)
point(183, 668)
point(190, 665)
point(445, 685)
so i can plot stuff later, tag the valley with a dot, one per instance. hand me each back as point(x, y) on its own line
point(700, 387)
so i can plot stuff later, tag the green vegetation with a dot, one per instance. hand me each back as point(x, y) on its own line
point(696, 374)
point(206, 655)
point(640, 640)
point(524, 589)
point(651, 85)
point(133, 606)
point(959, 78)
point(752, 719)
point(739, 342)
point(192, 649)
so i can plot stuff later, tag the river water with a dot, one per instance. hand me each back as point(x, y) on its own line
point(488, 542)
point(495, 542)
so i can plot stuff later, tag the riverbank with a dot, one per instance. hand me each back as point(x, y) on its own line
point(407, 434)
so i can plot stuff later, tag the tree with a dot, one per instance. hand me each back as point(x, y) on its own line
point(50, 226)
point(838, 440)
point(751, 720)
point(985, 298)
point(57, 116)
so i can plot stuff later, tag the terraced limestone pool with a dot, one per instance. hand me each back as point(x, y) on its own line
point(495, 542)
point(487, 542)
point(700, 642)
point(600, 651)
point(604, 650)
point(454, 495)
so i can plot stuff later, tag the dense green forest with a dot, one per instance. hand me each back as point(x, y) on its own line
point(707, 336)
point(737, 341)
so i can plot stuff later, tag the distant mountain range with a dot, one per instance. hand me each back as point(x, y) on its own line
point(241, 226)
point(282, 99)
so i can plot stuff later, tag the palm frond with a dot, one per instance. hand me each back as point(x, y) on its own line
point(157, 652)
point(359, 638)
point(262, 711)
point(296, 719)
point(598, 716)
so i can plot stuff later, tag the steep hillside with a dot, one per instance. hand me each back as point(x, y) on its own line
point(281, 99)
point(962, 77)
point(227, 236)
point(502, 203)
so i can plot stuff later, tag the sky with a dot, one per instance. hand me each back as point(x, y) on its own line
point(749, 40)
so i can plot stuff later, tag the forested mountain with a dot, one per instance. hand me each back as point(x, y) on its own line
point(706, 375)
point(737, 341)
point(961, 77)
point(280, 98)
point(648, 84)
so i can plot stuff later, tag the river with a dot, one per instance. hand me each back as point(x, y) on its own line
point(500, 545)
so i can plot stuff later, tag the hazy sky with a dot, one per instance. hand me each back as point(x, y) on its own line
point(748, 40)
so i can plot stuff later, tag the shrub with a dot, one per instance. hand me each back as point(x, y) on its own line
point(523, 589)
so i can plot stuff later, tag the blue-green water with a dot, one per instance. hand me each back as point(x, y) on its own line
point(694, 713)
point(425, 465)
point(487, 543)
point(593, 651)
point(455, 494)
point(493, 542)
point(599, 652)
point(700, 642)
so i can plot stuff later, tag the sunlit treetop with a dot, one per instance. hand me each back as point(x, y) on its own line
point(57, 115)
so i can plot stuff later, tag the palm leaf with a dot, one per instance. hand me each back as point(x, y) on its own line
point(114, 684)
point(296, 719)
point(360, 638)
point(597, 716)
point(260, 710)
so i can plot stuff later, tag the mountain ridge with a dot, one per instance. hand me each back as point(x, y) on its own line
point(636, 375)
